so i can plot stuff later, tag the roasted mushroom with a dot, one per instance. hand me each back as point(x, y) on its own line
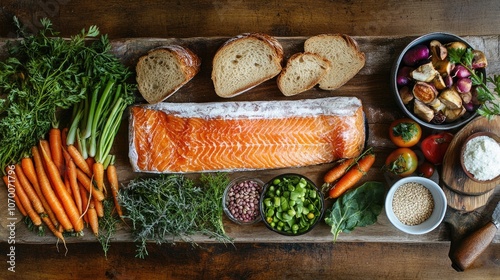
point(450, 98)
point(439, 82)
point(466, 97)
point(405, 94)
point(479, 59)
point(438, 51)
point(436, 105)
point(453, 114)
point(423, 111)
point(456, 45)
point(424, 73)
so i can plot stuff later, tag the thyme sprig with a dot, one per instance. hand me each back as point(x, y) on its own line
point(107, 226)
point(172, 208)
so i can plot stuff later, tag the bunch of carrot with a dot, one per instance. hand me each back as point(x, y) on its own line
point(347, 173)
point(58, 187)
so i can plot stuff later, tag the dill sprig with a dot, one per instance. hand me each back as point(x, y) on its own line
point(171, 208)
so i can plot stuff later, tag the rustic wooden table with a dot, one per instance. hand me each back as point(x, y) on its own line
point(381, 29)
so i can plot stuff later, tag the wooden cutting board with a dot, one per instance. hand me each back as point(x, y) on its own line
point(466, 203)
point(453, 175)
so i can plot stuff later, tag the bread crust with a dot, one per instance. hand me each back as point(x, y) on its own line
point(189, 62)
point(324, 68)
point(359, 57)
point(276, 59)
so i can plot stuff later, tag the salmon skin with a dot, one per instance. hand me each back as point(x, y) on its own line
point(232, 136)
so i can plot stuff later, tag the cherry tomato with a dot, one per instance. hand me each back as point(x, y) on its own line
point(402, 162)
point(434, 146)
point(426, 169)
point(405, 132)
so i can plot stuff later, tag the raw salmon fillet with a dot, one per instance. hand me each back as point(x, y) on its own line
point(225, 136)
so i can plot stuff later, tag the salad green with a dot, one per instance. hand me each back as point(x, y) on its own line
point(356, 208)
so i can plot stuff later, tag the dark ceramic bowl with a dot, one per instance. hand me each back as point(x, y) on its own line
point(443, 38)
point(285, 214)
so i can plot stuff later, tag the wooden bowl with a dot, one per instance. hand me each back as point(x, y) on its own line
point(462, 151)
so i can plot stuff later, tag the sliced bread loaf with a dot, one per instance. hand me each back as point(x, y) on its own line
point(302, 72)
point(344, 54)
point(244, 62)
point(162, 71)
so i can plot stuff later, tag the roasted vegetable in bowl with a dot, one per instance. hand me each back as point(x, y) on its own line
point(435, 80)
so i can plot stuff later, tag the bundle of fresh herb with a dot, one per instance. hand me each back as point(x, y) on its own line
point(45, 74)
point(173, 207)
point(490, 99)
point(357, 208)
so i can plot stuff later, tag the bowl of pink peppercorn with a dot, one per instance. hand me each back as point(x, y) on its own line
point(241, 200)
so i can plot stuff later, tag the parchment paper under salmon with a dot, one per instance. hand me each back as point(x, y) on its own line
point(230, 136)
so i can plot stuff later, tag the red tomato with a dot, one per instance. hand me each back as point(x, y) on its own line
point(405, 132)
point(402, 162)
point(435, 146)
point(426, 169)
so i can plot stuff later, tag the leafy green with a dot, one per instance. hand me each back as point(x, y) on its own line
point(490, 99)
point(173, 207)
point(45, 74)
point(356, 208)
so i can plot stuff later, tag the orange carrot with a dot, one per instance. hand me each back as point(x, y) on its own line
point(30, 173)
point(114, 185)
point(66, 183)
point(56, 148)
point(85, 201)
point(49, 193)
point(24, 200)
point(89, 186)
point(53, 228)
point(90, 162)
point(352, 176)
point(98, 169)
point(66, 199)
point(93, 219)
point(10, 186)
point(72, 179)
point(46, 147)
point(64, 134)
point(79, 160)
point(29, 190)
point(98, 207)
point(338, 171)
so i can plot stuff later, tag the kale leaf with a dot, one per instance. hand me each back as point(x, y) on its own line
point(357, 208)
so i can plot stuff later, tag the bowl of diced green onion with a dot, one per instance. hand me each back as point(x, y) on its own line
point(291, 204)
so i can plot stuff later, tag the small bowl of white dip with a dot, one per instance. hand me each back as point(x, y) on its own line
point(480, 157)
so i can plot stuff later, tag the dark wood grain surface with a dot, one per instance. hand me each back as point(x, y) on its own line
point(390, 24)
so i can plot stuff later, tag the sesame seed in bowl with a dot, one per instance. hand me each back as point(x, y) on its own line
point(415, 205)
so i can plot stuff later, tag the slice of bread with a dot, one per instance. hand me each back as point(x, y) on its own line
point(302, 72)
point(244, 62)
point(344, 54)
point(162, 71)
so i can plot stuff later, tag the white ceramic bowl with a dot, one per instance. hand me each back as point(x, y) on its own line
point(437, 215)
